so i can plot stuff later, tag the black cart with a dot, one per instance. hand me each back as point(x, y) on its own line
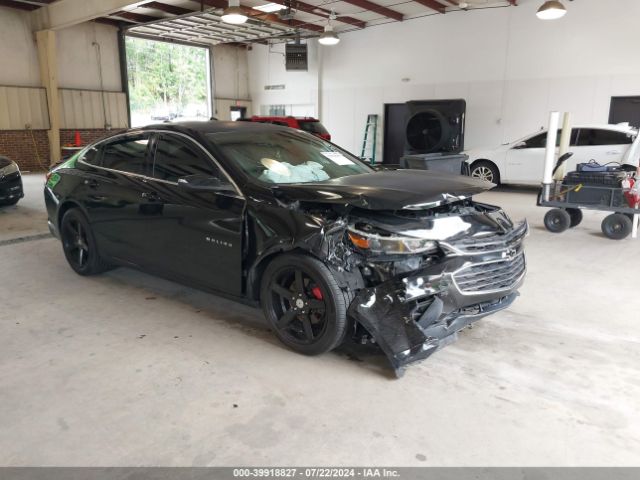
point(569, 200)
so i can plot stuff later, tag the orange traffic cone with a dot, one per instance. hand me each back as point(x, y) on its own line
point(77, 139)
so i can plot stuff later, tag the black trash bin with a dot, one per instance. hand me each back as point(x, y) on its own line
point(455, 163)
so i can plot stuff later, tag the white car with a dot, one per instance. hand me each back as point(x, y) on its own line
point(522, 162)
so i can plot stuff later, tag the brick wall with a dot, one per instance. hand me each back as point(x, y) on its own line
point(28, 148)
point(86, 136)
point(19, 146)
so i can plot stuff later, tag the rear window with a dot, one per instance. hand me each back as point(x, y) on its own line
point(127, 154)
point(313, 127)
point(593, 136)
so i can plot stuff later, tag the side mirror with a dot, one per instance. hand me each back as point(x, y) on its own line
point(520, 145)
point(203, 183)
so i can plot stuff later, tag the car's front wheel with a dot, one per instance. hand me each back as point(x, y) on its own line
point(79, 245)
point(486, 171)
point(304, 304)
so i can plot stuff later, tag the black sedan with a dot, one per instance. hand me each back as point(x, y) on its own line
point(268, 215)
point(10, 182)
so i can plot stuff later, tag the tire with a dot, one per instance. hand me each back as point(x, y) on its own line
point(9, 203)
point(304, 304)
point(557, 220)
point(485, 170)
point(617, 226)
point(576, 216)
point(79, 245)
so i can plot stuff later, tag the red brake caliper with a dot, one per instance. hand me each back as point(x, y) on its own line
point(317, 293)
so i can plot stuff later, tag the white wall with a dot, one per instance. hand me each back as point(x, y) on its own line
point(231, 79)
point(18, 53)
point(77, 58)
point(510, 67)
point(78, 65)
point(267, 67)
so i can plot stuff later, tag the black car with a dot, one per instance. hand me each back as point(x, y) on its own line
point(328, 246)
point(10, 182)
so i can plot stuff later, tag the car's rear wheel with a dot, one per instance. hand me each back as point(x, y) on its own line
point(304, 304)
point(79, 245)
point(9, 203)
point(487, 171)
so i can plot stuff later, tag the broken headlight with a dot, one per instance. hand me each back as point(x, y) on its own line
point(390, 244)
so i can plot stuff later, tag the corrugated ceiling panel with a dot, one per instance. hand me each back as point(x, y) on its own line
point(21, 106)
point(88, 109)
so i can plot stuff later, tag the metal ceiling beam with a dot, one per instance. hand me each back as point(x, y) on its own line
point(65, 13)
point(266, 17)
point(135, 17)
point(374, 7)
point(164, 7)
point(18, 5)
point(432, 4)
point(321, 12)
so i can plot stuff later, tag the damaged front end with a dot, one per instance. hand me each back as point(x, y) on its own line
point(430, 273)
point(419, 264)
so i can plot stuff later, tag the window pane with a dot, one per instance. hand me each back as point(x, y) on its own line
point(592, 136)
point(127, 154)
point(176, 158)
point(91, 156)
point(540, 141)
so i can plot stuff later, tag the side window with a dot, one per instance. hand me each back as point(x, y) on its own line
point(127, 154)
point(594, 136)
point(177, 158)
point(92, 156)
point(540, 140)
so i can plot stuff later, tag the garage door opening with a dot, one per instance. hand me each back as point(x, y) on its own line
point(167, 81)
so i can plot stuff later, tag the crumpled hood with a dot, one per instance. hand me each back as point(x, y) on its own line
point(388, 189)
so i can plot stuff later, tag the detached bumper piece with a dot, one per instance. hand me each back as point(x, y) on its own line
point(11, 187)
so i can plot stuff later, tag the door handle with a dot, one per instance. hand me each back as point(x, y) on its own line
point(150, 196)
point(613, 152)
point(91, 183)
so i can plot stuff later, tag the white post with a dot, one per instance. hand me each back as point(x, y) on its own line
point(565, 141)
point(550, 152)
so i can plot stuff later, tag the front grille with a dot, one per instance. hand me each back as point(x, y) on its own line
point(492, 243)
point(490, 276)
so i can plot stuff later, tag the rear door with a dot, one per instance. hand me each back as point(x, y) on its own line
point(195, 236)
point(115, 195)
point(601, 145)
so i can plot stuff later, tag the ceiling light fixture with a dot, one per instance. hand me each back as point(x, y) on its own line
point(329, 37)
point(551, 10)
point(233, 13)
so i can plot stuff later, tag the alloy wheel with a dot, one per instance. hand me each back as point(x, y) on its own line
point(483, 173)
point(74, 239)
point(299, 305)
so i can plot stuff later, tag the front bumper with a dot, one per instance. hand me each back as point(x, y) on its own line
point(11, 187)
point(412, 315)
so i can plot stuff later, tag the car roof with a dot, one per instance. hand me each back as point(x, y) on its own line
point(213, 126)
point(622, 127)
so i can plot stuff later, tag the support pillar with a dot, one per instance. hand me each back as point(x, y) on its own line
point(47, 57)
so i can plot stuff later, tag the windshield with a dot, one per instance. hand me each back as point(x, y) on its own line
point(286, 156)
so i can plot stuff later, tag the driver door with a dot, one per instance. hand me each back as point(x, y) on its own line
point(195, 236)
point(525, 161)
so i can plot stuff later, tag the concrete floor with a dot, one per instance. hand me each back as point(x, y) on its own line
point(125, 369)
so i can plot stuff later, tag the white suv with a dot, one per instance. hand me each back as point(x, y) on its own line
point(522, 162)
